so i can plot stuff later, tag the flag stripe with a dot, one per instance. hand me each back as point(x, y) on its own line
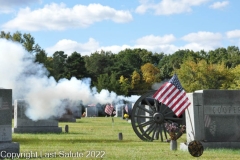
point(180, 99)
point(171, 97)
point(161, 91)
point(176, 100)
point(181, 108)
point(167, 93)
point(178, 103)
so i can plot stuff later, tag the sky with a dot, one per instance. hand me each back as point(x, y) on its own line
point(114, 25)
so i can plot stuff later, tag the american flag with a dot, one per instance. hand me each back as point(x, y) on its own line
point(126, 108)
point(173, 95)
point(109, 109)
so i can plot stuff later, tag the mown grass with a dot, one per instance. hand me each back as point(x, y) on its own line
point(90, 135)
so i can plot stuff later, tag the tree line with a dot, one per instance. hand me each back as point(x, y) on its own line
point(134, 71)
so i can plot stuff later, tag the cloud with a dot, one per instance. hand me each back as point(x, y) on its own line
point(202, 41)
point(233, 34)
point(168, 7)
point(204, 37)
point(59, 17)
point(7, 5)
point(149, 42)
point(218, 5)
point(155, 40)
point(70, 46)
point(156, 44)
point(166, 48)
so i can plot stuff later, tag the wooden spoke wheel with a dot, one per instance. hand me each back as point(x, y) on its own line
point(148, 118)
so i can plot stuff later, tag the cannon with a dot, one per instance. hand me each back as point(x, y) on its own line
point(148, 118)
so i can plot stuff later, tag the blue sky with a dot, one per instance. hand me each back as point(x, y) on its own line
point(113, 25)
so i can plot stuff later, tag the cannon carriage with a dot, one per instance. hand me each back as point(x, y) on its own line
point(148, 118)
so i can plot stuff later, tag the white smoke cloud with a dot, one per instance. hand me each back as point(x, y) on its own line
point(46, 97)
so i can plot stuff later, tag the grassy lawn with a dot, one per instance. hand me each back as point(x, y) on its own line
point(97, 138)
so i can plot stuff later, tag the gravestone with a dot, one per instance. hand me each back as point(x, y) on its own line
point(119, 109)
point(214, 118)
point(67, 117)
point(77, 113)
point(6, 144)
point(22, 124)
point(91, 111)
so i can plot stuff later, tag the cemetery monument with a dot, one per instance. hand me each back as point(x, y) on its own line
point(6, 144)
point(214, 118)
point(22, 124)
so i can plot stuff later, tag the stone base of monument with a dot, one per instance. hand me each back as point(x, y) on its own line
point(9, 148)
point(37, 130)
point(221, 145)
point(40, 126)
point(213, 145)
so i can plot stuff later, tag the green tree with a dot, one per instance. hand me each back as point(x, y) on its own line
point(130, 58)
point(59, 65)
point(104, 81)
point(218, 56)
point(165, 67)
point(233, 57)
point(6, 35)
point(28, 42)
point(17, 36)
point(75, 66)
point(98, 63)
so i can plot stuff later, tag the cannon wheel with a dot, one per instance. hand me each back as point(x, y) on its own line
point(148, 118)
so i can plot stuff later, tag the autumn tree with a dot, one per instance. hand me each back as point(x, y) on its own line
point(124, 85)
point(150, 74)
point(201, 75)
point(235, 84)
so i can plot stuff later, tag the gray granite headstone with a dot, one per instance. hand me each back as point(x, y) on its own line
point(77, 113)
point(67, 117)
point(91, 111)
point(6, 144)
point(214, 118)
point(22, 124)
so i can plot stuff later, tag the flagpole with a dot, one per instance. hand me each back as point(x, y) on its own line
point(112, 121)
